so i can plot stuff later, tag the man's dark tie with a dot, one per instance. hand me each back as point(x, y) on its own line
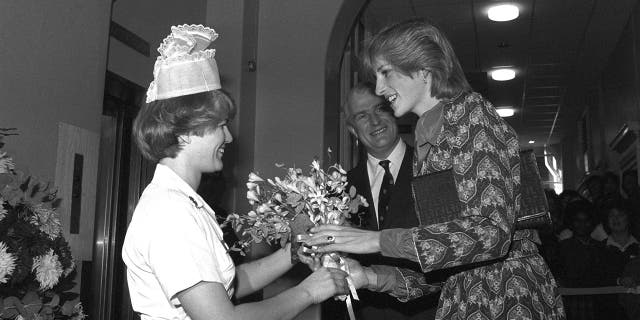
point(385, 192)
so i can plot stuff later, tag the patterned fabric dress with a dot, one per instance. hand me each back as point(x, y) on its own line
point(499, 273)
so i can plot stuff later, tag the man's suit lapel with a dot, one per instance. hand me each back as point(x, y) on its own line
point(362, 184)
point(405, 174)
point(401, 203)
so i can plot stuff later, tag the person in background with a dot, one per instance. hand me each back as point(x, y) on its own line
point(370, 120)
point(178, 266)
point(580, 254)
point(610, 197)
point(566, 197)
point(630, 278)
point(632, 199)
point(611, 189)
point(417, 71)
point(594, 187)
point(620, 248)
point(621, 245)
point(630, 185)
point(581, 261)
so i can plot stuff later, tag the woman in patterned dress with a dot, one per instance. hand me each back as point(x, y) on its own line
point(498, 272)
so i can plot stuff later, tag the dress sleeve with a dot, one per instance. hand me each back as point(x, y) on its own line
point(485, 155)
point(403, 284)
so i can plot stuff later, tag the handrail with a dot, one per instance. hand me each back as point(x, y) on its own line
point(598, 290)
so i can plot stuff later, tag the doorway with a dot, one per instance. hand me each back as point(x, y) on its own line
point(122, 175)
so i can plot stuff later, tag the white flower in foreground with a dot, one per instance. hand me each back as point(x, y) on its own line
point(48, 269)
point(46, 220)
point(78, 312)
point(315, 164)
point(3, 211)
point(7, 263)
point(67, 271)
point(254, 177)
point(252, 196)
point(6, 163)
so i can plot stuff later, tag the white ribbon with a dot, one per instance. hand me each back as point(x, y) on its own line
point(333, 260)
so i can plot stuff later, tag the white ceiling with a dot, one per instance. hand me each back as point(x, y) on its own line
point(556, 46)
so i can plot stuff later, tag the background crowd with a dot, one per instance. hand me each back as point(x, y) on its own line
point(593, 244)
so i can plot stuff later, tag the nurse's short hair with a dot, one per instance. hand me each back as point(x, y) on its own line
point(159, 124)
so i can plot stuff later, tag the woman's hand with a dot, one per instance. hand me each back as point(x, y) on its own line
point(357, 273)
point(331, 238)
point(325, 283)
point(311, 260)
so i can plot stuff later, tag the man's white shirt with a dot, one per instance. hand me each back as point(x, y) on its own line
point(376, 172)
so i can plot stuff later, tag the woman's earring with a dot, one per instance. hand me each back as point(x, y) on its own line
point(425, 76)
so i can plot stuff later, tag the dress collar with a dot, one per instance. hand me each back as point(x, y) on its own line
point(167, 178)
point(613, 243)
point(395, 157)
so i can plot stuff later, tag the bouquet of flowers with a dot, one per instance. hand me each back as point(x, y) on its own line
point(36, 266)
point(286, 207)
point(293, 204)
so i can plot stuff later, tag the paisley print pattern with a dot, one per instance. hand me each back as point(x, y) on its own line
point(466, 190)
point(487, 169)
point(453, 114)
point(483, 143)
point(460, 137)
point(441, 160)
point(477, 117)
point(500, 273)
point(415, 286)
point(462, 162)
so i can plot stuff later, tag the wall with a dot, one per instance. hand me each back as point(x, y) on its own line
point(236, 22)
point(293, 39)
point(53, 59)
point(609, 104)
point(152, 21)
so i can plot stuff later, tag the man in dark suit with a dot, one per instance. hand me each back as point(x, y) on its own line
point(371, 121)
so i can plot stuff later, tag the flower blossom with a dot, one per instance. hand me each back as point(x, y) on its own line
point(71, 267)
point(252, 196)
point(78, 312)
point(6, 163)
point(254, 178)
point(48, 269)
point(7, 263)
point(315, 165)
point(46, 220)
point(3, 211)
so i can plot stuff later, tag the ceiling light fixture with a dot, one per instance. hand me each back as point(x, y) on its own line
point(503, 74)
point(506, 112)
point(503, 12)
point(532, 141)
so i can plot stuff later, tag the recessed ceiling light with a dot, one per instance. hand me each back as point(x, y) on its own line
point(503, 74)
point(532, 141)
point(503, 12)
point(505, 112)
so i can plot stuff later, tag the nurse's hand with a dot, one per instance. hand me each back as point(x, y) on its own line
point(330, 238)
point(325, 283)
point(310, 259)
